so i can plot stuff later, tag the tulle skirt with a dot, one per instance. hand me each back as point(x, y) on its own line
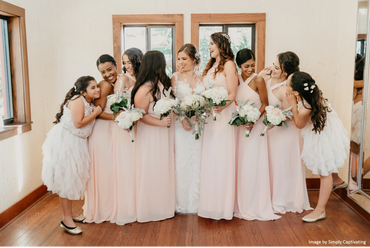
point(66, 161)
point(325, 152)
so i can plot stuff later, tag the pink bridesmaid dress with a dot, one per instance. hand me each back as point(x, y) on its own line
point(100, 199)
point(253, 196)
point(287, 172)
point(155, 165)
point(217, 180)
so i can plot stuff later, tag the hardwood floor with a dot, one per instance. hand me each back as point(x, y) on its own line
point(39, 226)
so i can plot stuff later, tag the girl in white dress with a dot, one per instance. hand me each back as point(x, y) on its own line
point(186, 82)
point(66, 160)
point(326, 144)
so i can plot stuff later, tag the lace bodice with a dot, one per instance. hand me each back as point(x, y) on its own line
point(183, 89)
point(67, 123)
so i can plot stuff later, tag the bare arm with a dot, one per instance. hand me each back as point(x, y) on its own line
point(105, 90)
point(301, 117)
point(127, 83)
point(77, 111)
point(142, 100)
point(262, 91)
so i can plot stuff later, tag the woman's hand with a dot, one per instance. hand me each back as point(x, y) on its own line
point(291, 98)
point(97, 110)
point(166, 121)
point(249, 126)
point(185, 124)
point(217, 109)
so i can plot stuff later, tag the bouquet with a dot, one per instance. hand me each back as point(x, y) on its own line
point(119, 100)
point(245, 113)
point(276, 117)
point(216, 97)
point(127, 118)
point(194, 108)
point(164, 106)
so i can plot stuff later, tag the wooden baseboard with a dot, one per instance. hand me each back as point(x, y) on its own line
point(19, 207)
point(313, 183)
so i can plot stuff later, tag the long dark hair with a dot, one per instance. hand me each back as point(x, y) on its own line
point(79, 86)
point(135, 56)
point(152, 70)
point(106, 58)
point(289, 62)
point(222, 41)
point(305, 85)
point(243, 56)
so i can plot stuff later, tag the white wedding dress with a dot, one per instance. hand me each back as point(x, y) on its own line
point(187, 156)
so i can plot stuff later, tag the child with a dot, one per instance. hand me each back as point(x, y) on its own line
point(325, 139)
point(66, 158)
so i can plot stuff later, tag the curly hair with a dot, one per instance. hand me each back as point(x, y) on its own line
point(79, 86)
point(307, 88)
point(222, 41)
point(191, 51)
point(135, 56)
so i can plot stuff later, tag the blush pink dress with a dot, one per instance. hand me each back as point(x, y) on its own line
point(155, 165)
point(100, 203)
point(217, 176)
point(287, 172)
point(253, 196)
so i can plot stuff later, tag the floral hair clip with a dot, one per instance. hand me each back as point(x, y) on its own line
point(227, 37)
point(197, 56)
point(74, 86)
point(306, 89)
point(312, 87)
point(305, 84)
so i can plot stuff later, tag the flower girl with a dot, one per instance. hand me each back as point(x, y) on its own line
point(66, 157)
point(326, 144)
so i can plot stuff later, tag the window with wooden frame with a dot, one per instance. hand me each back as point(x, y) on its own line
point(15, 109)
point(148, 32)
point(245, 31)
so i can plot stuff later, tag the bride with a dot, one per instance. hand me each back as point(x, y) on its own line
point(186, 82)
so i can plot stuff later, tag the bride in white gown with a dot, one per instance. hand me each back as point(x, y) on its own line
point(187, 150)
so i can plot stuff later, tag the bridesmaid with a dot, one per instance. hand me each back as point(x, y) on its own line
point(101, 190)
point(155, 160)
point(253, 196)
point(124, 149)
point(217, 186)
point(287, 173)
point(186, 82)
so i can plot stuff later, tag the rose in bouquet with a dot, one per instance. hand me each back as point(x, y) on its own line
point(163, 107)
point(216, 97)
point(245, 113)
point(194, 108)
point(127, 118)
point(276, 117)
point(119, 100)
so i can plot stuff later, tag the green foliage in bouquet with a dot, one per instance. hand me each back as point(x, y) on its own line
point(116, 107)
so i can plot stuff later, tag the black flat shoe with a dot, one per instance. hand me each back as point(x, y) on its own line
point(71, 230)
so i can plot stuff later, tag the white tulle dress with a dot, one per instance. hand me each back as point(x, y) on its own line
point(187, 156)
point(323, 153)
point(66, 160)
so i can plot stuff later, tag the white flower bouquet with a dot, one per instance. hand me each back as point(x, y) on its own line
point(194, 108)
point(119, 100)
point(163, 107)
point(276, 117)
point(127, 118)
point(216, 97)
point(245, 113)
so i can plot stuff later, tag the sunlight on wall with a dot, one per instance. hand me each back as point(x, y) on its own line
point(18, 148)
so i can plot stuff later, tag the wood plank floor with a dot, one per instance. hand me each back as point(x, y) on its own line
point(39, 226)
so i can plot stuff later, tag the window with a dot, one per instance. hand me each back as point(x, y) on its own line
point(15, 109)
point(6, 99)
point(245, 30)
point(360, 47)
point(241, 35)
point(148, 32)
point(152, 37)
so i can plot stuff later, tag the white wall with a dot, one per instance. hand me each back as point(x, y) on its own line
point(66, 37)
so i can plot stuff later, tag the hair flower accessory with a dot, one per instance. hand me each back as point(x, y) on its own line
point(306, 89)
point(305, 84)
point(227, 37)
point(313, 87)
point(74, 86)
point(197, 55)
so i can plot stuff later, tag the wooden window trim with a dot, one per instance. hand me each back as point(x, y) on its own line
point(258, 19)
point(19, 71)
point(121, 20)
